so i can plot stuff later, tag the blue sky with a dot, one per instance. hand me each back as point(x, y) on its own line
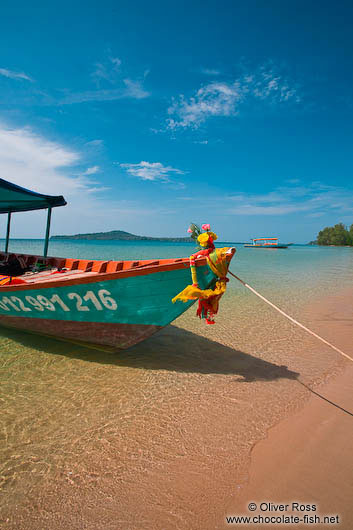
point(147, 116)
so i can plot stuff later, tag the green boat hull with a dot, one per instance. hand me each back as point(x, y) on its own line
point(116, 312)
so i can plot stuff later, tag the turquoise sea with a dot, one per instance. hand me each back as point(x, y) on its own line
point(161, 434)
point(300, 267)
point(291, 278)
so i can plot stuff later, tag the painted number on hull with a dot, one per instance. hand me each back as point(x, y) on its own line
point(100, 301)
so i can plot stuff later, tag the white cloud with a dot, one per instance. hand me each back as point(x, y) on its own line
point(91, 170)
point(210, 71)
point(151, 171)
point(23, 153)
point(95, 143)
point(222, 99)
point(110, 85)
point(30, 160)
point(116, 62)
point(215, 99)
point(253, 209)
point(100, 72)
point(14, 75)
point(106, 71)
point(316, 214)
point(293, 181)
point(34, 162)
point(267, 85)
point(132, 90)
point(314, 200)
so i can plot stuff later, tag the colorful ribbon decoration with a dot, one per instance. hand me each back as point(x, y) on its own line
point(208, 298)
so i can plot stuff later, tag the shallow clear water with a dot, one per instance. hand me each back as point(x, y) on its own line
point(295, 269)
point(258, 263)
point(159, 436)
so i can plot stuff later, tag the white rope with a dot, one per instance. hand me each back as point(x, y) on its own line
point(290, 318)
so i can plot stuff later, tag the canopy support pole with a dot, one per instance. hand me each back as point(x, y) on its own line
point(8, 231)
point(47, 232)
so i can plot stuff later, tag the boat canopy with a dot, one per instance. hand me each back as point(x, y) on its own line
point(14, 198)
point(265, 239)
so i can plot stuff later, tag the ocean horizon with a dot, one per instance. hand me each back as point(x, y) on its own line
point(300, 271)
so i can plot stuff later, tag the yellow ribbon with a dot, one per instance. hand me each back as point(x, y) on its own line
point(220, 269)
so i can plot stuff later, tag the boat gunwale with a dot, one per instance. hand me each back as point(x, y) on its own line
point(164, 265)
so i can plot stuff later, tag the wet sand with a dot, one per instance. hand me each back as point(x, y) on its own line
point(308, 457)
point(163, 436)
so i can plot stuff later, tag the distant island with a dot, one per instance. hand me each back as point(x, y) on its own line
point(338, 235)
point(120, 235)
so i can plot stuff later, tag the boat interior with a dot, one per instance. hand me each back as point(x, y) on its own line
point(39, 268)
point(43, 269)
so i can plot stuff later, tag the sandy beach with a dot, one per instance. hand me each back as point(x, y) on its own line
point(306, 460)
point(149, 440)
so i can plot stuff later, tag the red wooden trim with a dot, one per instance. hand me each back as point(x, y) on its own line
point(114, 271)
point(99, 266)
point(96, 277)
point(114, 266)
point(72, 264)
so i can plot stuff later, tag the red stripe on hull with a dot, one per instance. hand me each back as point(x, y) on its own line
point(120, 336)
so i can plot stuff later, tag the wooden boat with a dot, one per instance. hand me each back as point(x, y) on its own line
point(265, 242)
point(111, 303)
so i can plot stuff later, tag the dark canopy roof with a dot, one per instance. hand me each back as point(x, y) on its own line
point(16, 199)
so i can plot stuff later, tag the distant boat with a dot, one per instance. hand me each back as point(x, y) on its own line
point(99, 302)
point(265, 242)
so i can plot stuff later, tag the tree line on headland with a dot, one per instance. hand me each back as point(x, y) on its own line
point(336, 235)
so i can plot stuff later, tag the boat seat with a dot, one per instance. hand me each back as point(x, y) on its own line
point(85, 265)
point(71, 264)
point(114, 266)
point(100, 266)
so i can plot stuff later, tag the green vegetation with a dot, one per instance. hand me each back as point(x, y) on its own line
point(120, 235)
point(336, 235)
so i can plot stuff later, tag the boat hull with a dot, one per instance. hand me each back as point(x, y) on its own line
point(266, 246)
point(109, 310)
point(116, 336)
